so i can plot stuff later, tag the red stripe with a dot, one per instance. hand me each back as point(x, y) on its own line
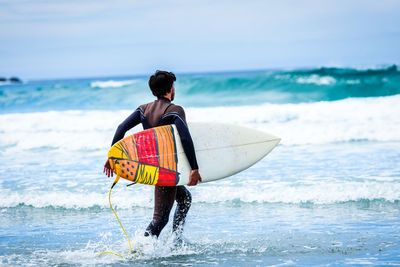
point(166, 178)
point(147, 147)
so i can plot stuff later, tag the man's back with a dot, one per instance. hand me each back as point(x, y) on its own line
point(154, 111)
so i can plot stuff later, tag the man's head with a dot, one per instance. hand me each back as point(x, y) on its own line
point(161, 83)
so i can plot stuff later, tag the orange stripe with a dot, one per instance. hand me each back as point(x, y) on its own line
point(130, 146)
point(166, 148)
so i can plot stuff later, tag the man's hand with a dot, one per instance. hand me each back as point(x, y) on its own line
point(194, 177)
point(107, 169)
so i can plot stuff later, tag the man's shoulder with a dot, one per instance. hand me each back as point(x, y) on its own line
point(144, 106)
point(176, 108)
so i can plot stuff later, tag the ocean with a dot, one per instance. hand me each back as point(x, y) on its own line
point(328, 194)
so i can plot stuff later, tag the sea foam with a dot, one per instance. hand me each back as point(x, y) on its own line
point(349, 120)
point(354, 119)
point(111, 83)
point(318, 80)
point(251, 191)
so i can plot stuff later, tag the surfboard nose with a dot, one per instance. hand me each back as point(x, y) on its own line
point(255, 136)
point(226, 149)
point(275, 141)
point(262, 145)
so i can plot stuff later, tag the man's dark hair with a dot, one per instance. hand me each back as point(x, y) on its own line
point(161, 82)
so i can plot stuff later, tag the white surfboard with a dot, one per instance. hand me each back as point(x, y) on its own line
point(156, 156)
point(223, 150)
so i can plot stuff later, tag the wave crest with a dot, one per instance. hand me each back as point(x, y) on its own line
point(243, 190)
point(372, 119)
point(111, 83)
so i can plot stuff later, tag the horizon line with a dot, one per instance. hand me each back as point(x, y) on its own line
point(226, 71)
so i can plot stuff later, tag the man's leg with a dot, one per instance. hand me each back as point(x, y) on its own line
point(164, 197)
point(184, 200)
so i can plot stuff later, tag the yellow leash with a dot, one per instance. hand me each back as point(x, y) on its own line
point(109, 200)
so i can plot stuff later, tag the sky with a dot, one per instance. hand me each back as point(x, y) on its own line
point(93, 38)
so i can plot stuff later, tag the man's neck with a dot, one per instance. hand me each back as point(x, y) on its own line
point(164, 98)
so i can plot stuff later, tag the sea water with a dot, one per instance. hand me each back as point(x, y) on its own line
point(328, 194)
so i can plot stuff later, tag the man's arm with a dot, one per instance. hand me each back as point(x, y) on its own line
point(177, 117)
point(187, 142)
point(130, 122)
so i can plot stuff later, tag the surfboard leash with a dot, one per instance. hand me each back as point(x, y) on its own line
point(123, 229)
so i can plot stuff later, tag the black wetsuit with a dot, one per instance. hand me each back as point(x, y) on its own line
point(157, 113)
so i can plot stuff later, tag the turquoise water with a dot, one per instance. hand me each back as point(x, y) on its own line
point(203, 90)
point(327, 195)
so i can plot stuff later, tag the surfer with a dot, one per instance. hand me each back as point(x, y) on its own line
point(158, 113)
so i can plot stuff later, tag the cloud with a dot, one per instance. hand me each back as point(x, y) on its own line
point(218, 34)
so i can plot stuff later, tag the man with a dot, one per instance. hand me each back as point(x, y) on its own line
point(158, 113)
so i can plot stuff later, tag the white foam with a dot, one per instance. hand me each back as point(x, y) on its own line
point(316, 79)
point(353, 81)
point(326, 191)
point(375, 119)
point(111, 83)
point(64, 131)
point(88, 255)
point(323, 191)
point(5, 83)
point(43, 197)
